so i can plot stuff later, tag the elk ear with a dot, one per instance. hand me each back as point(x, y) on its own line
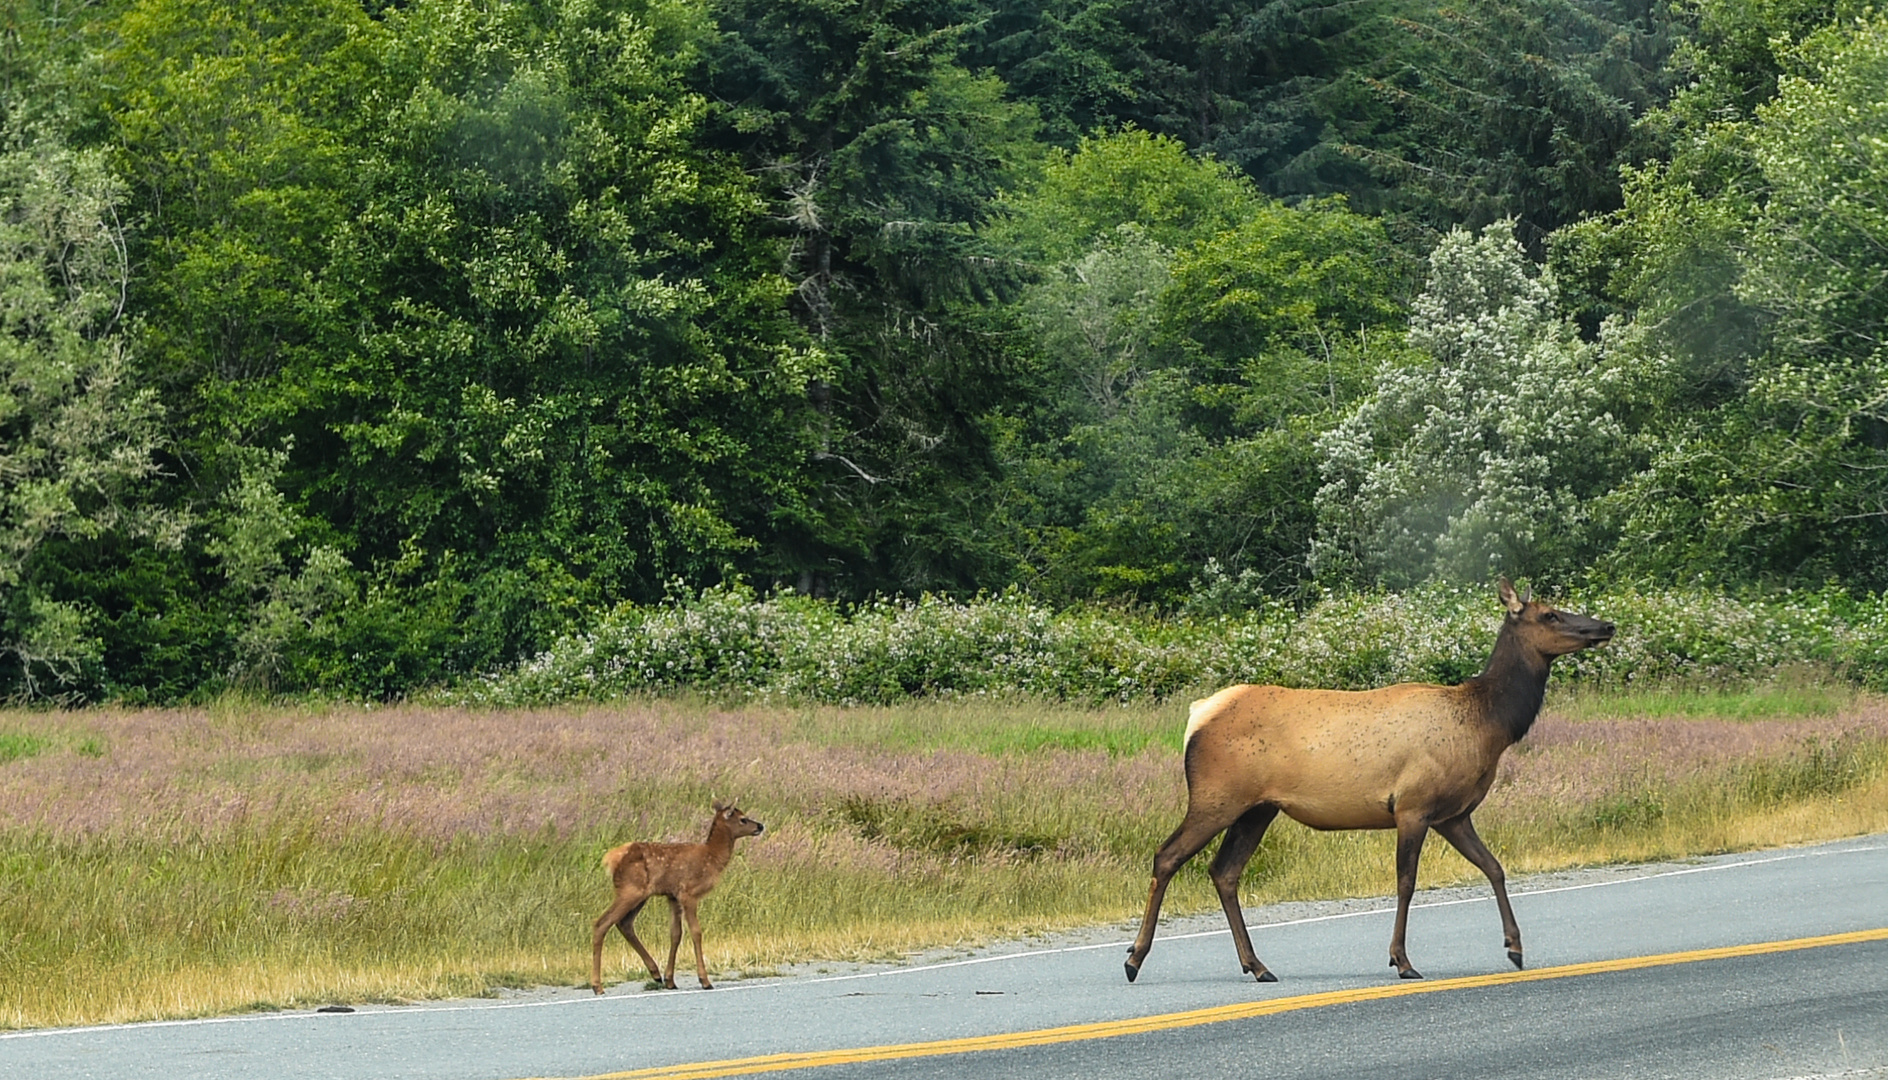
point(719, 805)
point(1509, 600)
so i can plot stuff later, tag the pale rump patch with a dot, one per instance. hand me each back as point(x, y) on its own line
point(1205, 709)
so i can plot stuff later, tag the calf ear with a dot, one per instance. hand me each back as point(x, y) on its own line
point(719, 806)
point(1509, 600)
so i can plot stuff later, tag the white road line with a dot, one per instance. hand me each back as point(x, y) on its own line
point(41, 1033)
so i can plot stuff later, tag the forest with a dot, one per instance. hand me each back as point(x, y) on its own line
point(354, 347)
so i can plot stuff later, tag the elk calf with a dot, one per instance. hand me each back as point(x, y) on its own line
point(682, 872)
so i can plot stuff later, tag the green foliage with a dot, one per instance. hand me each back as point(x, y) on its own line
point(1818, 769)
point(1813, 261)
point(15, 745)
point(1778, 478)
point(1234, 78)
point(931, 828)
point(355, 348)
point(731, 642)
point(462, 330)
point(1467, 114)
point(1263, 304)
point(554, 342)
point(1484, 452)
point(1189, 358)
point(1737, 55)
point(1633, 810)
point(79, 429)
point(1081, 198)
point(882, 157)
point(1792, 694)
point(232, 123)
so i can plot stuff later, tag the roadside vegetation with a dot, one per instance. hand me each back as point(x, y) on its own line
point(731, 642)
point(888, 415)
point(163, 863)
point(352, 349)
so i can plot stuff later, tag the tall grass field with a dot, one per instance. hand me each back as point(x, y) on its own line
point(169, 863)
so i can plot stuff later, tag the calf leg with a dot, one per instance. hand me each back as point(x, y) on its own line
point(694, 933)
point(675, 939)
point(1409, 851)
point(1242, 839)
point(600, 930)
point(627, 924)
point(1461, 834)
point(1195, 831)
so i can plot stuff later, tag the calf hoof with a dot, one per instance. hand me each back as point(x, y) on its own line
point(1263, 974)
point(1515, 955)
point(1409, 973)
point(1132, 968)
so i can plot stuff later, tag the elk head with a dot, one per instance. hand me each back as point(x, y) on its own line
point(735, 821)
point(1548, 630)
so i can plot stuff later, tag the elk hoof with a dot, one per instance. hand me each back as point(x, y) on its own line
point(1409, 973)
point(1263, 975)
point(1133, 969)
point(1515, 955)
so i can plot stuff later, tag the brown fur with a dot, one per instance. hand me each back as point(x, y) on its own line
point(1411, 757)
point(682, 872)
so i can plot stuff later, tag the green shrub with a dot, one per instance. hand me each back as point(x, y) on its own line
point(732, 641)
point(15, 745)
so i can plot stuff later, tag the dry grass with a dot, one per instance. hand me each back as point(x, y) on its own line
point(184, 862)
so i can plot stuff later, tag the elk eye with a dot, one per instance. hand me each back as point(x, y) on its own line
point(1551, 616)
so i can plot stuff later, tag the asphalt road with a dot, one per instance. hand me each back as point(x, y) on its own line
point(1623, 981)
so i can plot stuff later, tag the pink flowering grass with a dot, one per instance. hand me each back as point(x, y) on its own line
point(188, 861)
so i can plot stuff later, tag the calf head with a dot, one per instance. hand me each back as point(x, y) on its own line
point(737, 823)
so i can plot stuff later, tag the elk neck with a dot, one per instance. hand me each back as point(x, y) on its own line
point(1510, 689)
point(720, 843)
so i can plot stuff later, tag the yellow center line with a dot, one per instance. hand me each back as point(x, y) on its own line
point(1107, 1029)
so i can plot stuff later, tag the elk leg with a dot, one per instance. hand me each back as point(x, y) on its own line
point(1461, 834)
point(600, 930)
point(627, 924)
point(694, 934)
point(675, 940)
point(1194, 833)
point(1242, 839)
point(1409, 850)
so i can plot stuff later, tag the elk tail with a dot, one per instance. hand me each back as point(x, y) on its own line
point(613, 857)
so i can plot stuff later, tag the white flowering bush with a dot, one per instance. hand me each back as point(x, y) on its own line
point(731, 641)
point(1484, 452)
point(1710, 637)
point(1357, 640)
point(724, 639)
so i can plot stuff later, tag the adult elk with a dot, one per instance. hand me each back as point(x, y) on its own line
point(682, 872)
point(1411, 757)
